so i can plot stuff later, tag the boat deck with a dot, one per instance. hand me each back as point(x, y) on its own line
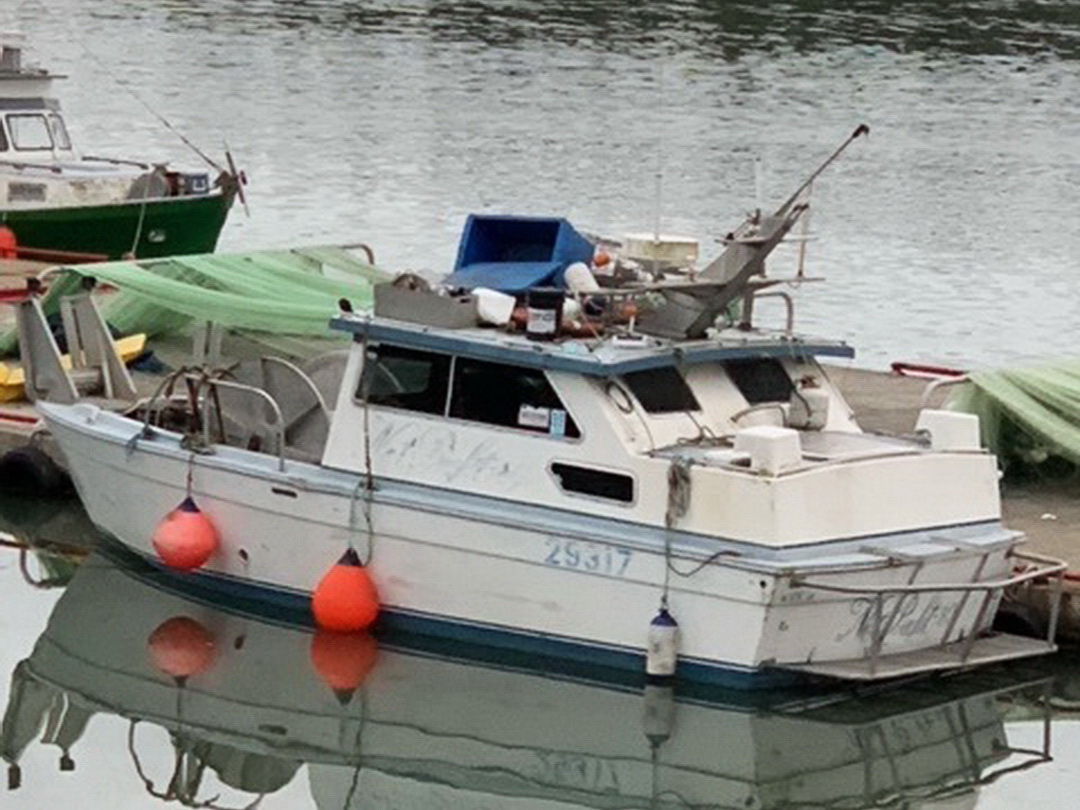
point(1048, 512)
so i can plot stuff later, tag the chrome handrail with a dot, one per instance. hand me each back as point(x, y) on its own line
point(935, 385)
point(278, 425)
point(201, 379)
point(1053, 566)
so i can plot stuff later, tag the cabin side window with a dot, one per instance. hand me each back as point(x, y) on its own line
point(3, 139)
point(595, 483)
point(760, 379)
point(29, 131)
point(509, 396)
point(661, 390)
point(405, 378)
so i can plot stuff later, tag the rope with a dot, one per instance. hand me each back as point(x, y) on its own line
point(190, 478)
point(678, 503)
point(368, 481)
point(142, 215)
point(712, 558)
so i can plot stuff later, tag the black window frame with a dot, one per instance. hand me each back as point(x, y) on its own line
point(741, 379)
point(448, 394)
point(549, 399)
point(440, 363)
point(621, 487)
point(3, 138)
point(655, 404)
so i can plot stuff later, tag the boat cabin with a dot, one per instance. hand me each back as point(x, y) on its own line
point(598, 425)
point(31, 124)
point(39, 166)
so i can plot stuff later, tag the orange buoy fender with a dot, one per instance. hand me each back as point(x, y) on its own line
point(9, 246)
point(345, 600)
point(343, 660)
point(186, 538)
point(182, 647)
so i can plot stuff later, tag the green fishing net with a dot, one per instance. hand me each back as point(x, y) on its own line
point(1028, 416)
point(275, 297)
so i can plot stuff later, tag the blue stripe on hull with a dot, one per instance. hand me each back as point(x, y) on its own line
point(556, 654)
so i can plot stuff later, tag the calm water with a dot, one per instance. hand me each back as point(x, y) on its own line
point(121, 693)
point(951, 236)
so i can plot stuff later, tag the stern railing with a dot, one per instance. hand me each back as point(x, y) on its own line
point(1038, 567)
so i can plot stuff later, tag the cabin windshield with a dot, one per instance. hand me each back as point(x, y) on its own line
point(682, 401)
point(661, 390)
point(29, 131)
point(760, 379)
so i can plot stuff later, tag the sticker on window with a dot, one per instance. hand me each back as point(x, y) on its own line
point(534, 417)
point(558, 422)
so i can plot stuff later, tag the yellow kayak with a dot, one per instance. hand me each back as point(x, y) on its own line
point(12, 377)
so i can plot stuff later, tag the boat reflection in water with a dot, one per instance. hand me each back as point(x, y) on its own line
point(249, 704)
point(50, 540)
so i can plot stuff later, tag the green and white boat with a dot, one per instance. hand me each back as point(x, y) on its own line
point(63, 206)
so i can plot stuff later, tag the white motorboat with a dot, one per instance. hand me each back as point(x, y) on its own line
point(255, 708)
point(551, 486)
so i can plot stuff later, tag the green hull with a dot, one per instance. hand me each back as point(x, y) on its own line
point(171, 226)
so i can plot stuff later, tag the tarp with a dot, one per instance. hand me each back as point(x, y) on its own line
point(276, 293)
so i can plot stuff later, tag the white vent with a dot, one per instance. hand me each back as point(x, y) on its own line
point(949, 430)
point(772, 450)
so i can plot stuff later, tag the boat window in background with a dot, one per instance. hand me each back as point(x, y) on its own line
point(760, 379)
point(662, 390)
point(509, 396)
point(29, 131)
point(26, 192)
point(59, 132)
point(407, 379)
point(3, 139)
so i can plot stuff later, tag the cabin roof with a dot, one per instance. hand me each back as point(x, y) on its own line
point(609, 357)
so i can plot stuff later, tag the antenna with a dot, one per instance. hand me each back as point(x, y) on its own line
point(759, 185)
point(658, 201)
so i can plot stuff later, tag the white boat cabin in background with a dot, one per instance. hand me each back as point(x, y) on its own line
point(607, 450)
point(61, 205)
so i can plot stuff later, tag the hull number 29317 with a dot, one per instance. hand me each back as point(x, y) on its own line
point(584, 556)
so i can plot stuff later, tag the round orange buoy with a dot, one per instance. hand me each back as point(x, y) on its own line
point(343, 660)
point(9, 246)
point(182, 647)
point(186, 538)
point(345, 600)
